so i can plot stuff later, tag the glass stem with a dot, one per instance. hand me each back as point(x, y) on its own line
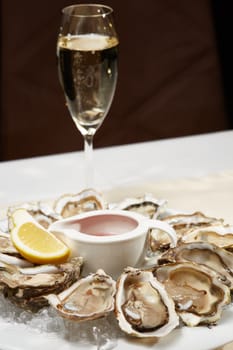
point(89, 168)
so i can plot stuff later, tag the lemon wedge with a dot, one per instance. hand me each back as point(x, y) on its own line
point(34, 242)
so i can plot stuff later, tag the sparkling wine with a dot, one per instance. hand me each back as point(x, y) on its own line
point(88, 72)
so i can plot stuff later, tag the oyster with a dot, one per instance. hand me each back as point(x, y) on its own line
point(146, 205)
point(14, 260)
point(198, 293)
point(89, 298)
point(221, 236)
point(4, 224)
point(9, 254)
point(213, 257)
point(143, 307)
point(41, 212)
point(6, 246)
point(72, 204)
point(45, 214)
point(27, 286)
point(158, 242)
point(185, 223)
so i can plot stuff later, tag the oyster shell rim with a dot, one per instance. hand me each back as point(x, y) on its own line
point(56, 301)
point(164, 330)
point(195, 319)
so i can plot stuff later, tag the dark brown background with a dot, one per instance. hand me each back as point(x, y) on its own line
point(169, 85)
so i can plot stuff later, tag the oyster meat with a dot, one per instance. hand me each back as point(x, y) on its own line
point(143, 307)
point(72, 204)
point(89, 298)
point(198, 293)
point(207, 254)
point(27, 286)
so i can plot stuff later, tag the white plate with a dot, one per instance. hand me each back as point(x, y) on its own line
point(156, 167)
point(15, 334)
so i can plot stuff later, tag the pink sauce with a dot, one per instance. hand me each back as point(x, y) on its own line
point(99, 234)
point(106, 225)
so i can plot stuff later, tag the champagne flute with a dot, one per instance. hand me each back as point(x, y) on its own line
point(87, 51)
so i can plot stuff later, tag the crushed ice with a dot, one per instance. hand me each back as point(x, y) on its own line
point(102, 333)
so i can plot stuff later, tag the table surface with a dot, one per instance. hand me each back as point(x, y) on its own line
point(50, 176)
point(192, 173)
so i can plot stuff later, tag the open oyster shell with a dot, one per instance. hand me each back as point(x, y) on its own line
point(183, 224)
point(9, 254)
point(14, 260)
point(72, 204)
point(221, 236)
point(143, 307)
point(4, 224)
point(42, 212)
point(186, 223)
point(198, 293)
point(89, 298)
point(207, 254)
point(6, 246)
point(146, 205)
point(27, 286)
